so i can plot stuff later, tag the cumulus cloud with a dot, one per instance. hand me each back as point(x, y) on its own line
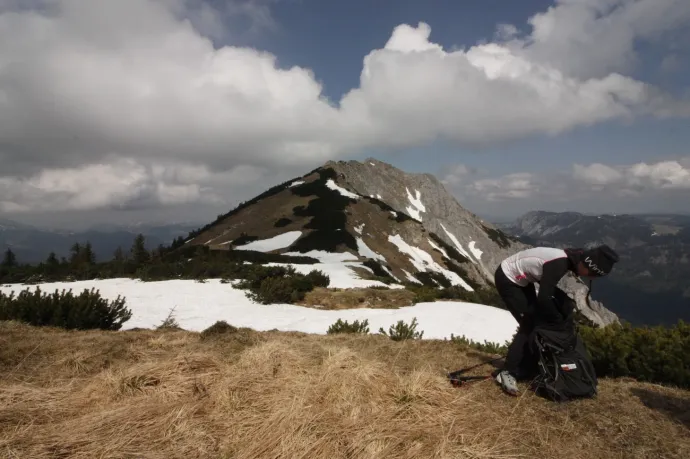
point(120, 184)
point(584, 182)
point(663, 175)
point(518, 185)
point(82, 83)
point(594, 38)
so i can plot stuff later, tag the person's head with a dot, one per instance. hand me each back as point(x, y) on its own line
point(596, 262)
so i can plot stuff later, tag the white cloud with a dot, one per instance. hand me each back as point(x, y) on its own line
point(596, 181)
point(82, 83)
point(637, 178)
point(594, 38)
point(122, 183)
point(456, 175)
point(519, 185)
point(597, 174)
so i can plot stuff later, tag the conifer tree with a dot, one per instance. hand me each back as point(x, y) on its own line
point(9, 260)
point(119, 255)
point(88, 256)
point(139, 252)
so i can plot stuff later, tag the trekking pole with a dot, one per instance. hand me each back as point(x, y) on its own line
point(457, 379)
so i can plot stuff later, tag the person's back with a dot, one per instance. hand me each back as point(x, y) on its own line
point(527, 266)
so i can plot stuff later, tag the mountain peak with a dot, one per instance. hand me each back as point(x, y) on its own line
point(394, 224)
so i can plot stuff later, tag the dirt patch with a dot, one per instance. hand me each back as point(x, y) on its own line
point(330, 298)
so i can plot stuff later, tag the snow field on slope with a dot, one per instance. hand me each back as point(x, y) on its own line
point(198, 306)
point(417, 205)
point(278, 242)
point(439, 248)
point(457, 244)
point(423, 261)
point(338, 267)
point(366, 252)
point(333, 186)
point(295, 183)
point(475, 250)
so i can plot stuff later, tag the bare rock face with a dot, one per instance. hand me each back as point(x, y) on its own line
point(424, 198)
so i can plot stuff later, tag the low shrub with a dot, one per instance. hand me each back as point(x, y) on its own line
point(487, 346)
point(654, 354)
point(346, 327)
point(63, 309)
point(403, 331)
point(277, 284)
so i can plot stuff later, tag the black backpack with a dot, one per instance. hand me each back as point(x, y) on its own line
point(564, 368)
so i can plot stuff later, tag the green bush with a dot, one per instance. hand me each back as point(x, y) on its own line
point(276, 284)
point(346, 327)
point(63, 309)
point(487, 346)
point(402, 331)
point(653, 354)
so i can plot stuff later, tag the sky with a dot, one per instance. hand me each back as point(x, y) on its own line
point(177, 110)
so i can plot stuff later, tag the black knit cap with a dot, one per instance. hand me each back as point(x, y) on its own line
point(599, 260)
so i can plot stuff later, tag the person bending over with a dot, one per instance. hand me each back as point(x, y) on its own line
point(515, 278)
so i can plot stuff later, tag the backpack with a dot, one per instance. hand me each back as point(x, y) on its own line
point(565, 370)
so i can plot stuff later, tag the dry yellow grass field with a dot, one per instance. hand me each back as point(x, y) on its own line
point(245, 394)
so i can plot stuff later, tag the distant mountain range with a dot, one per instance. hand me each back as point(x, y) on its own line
point(32, 245)
point(651, 284)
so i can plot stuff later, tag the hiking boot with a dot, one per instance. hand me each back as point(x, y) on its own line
point(507, 382)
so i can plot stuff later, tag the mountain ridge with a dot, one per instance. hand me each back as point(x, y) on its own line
point(403, 224)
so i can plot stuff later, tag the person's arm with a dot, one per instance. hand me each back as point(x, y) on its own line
point(552, 273)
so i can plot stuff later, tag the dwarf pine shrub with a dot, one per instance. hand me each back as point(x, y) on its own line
point(402, 331)
point(653, 354)
point(63, 309)
point(345, 327)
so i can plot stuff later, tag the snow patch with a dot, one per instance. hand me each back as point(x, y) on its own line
point(439, 248)
point(422, 261)
point(475, 251)
point(395, 214)
point(338, 266)
point(411, 278)
point(416, 203)
point(275, 243)
point(333, 186)
point(198, 306)
point(457, 244)
point(359, 228)
point(390, 273)
point(372, 164)
point(295, 183)
point(366, 252)
point(379, 196)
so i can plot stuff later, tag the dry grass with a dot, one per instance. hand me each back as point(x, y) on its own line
point(243, 394)
point(333, 298)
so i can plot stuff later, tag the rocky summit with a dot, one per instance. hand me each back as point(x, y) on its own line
point(402, 226)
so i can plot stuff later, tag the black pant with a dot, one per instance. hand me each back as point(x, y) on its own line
point(521, 302)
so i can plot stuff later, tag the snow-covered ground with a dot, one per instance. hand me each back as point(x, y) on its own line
point(417, 205)
point(278, 242)
point(423, 261)
point(200, 305)
point(334, 186)
point(338, 266)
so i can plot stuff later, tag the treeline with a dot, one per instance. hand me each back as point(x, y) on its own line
point(163, 263)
